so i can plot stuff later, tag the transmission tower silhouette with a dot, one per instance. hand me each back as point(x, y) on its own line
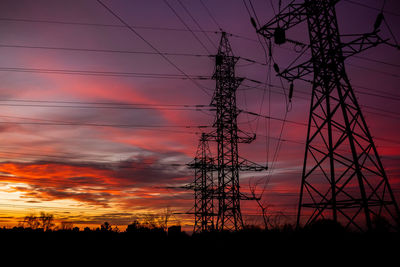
point(221, 198)
point(343, 178)
point(203, 187)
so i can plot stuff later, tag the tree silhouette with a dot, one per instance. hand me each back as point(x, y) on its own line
point(46, 221)
point(164, 218)
point(31, 221)
point(106, 227)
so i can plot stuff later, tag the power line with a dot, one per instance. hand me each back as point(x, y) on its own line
point(383, 115)
point(78, 162)
point(106, 73)
point(377, 61)
point(117, 51)
point(116, 26)
point(388, 96)
point(102, 164)
point(139, 27)
point(211, 15)
point(284, 120)
point(101, 50)
point(389, 113)
point(381, 110)
point(157, 53)
point(374, 70)
point(371, 7)
point(97, 24)
point(285, 48)
point(187, 26)
point(138, 106)
point(54, 123)
point(350, 64)
point(38, 121)
point(147, 28)
point(198, 25)
point(99, 164)
point(105, 103)
point(360, 90)
point(105, 107)
point(74, 49)
point(306, 125)
point(153, 47)
point(68, 123)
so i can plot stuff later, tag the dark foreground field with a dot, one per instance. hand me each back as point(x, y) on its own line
point(320, 245)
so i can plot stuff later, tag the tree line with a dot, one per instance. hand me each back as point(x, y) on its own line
point(46, 222)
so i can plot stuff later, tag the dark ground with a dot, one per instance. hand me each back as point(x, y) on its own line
point(322, 245)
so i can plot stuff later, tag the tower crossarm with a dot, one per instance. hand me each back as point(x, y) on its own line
point(361, 43)
point(289, 16)
point(207, 164)
point(247, 165)
point(298, 71)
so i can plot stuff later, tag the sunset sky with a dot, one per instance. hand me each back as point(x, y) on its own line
point(96, 126)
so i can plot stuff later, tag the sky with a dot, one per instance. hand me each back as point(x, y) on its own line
point(96, 125)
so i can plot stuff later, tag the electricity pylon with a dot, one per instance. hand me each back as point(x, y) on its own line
point(343, 177)
point(203, 187)
point(226, 137)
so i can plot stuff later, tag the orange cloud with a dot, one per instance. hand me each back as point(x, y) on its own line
point(91, 183)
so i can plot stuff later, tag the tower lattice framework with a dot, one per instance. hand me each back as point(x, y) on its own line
point(343, 177)
point(225, 212)
point(203, 186)
point(229, 213)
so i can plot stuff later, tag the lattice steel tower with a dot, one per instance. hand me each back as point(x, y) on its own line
point(227, 137)
point(203, 187)
point(224, 99)
point(224, 194)
point(343, 178)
